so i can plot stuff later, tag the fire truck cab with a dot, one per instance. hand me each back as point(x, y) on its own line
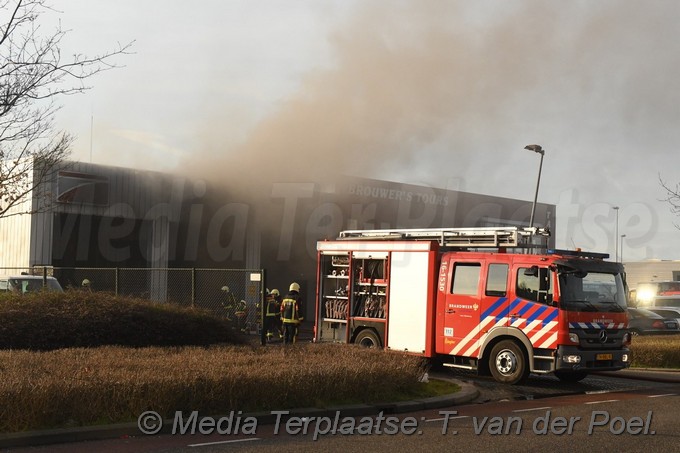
point(508, 314)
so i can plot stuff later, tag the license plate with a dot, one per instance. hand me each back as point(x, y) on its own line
point(603, 357)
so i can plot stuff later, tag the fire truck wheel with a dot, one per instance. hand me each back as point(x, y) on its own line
point(570, 376)
point(368, 338)
point(508, 363)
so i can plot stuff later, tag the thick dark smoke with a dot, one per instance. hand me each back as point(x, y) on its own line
point(426, 90)
point(402, 77)
point(419, 86)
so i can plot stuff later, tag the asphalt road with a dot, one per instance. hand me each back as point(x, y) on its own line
point(538, 387)
point(602, 422)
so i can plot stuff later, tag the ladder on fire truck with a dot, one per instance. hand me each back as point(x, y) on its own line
point(477, 237)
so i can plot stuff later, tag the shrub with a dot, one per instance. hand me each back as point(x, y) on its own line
point(49, 320)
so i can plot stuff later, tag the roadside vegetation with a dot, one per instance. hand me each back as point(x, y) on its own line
point(659, 351)
point(51, 320)
point(109, 384)
point(78, 358)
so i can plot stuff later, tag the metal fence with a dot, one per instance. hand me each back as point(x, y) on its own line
point(237, 294)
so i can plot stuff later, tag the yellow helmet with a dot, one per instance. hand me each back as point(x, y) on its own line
point(225, 289)
point(294, 287)
point(275, 292)
point(86, 282)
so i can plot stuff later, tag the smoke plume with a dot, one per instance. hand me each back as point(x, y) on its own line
point(428, 90)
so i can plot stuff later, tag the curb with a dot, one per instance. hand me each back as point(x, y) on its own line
point(645, 374)
point(466, 394)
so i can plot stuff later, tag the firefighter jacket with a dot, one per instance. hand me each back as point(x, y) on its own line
point(273, 307)
point(231, 302)
point(240, 309)
point(291, 308)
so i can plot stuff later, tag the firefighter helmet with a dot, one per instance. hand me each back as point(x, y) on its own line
point(85, 283)
point(225, 289)
point(294, 287)
point(275, 292)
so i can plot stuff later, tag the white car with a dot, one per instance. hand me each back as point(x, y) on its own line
point(667, 312)
point(29, 283)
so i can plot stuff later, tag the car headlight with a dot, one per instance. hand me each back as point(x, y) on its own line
point(645, 296)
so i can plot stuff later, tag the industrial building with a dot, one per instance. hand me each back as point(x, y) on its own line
point(651, 271)
point(109, 217)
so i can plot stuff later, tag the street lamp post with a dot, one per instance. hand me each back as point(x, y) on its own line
point(616, 233)
point(622, 236)
point(537, 149)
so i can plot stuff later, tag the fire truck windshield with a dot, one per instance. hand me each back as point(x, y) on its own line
point(591, 291)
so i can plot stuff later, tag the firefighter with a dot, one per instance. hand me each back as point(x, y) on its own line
point(273, 314)
point(291, 313)
point(230, 303)
point(86, 285)
point(241, 312)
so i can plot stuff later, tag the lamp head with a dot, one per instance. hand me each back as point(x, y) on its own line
point(535, 148)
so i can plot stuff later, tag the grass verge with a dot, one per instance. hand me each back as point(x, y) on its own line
point(59, 384)
point(75, 387)
point(658, 351)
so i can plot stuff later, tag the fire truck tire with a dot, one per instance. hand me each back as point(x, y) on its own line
point(508, 363)
point(368, 338)
point(570, 376)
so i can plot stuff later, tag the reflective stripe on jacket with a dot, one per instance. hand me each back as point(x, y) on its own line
point(290, 309)
point(273, 307)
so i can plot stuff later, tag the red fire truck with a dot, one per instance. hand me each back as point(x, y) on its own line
point(468, 298)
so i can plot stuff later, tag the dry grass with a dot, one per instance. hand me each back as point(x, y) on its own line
point(660, 351)
point(71, 387)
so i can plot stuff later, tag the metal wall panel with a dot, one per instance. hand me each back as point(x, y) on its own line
point(650, 271)
point(15, 237)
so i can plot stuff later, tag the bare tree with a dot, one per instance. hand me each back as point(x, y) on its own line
point(33, 76)
point(672, 197)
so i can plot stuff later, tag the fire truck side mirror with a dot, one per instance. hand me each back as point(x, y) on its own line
point(531, 271)
point(543, 280)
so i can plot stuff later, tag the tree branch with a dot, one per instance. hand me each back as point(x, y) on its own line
point(33, 74)
point(672, 197)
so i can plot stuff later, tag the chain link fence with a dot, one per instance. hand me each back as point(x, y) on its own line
point(237, 294)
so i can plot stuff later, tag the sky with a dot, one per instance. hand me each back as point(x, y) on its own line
point(437, 93)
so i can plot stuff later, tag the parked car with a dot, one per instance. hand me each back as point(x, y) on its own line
point(29, 283)
point(667, 312)
point(646, 322)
